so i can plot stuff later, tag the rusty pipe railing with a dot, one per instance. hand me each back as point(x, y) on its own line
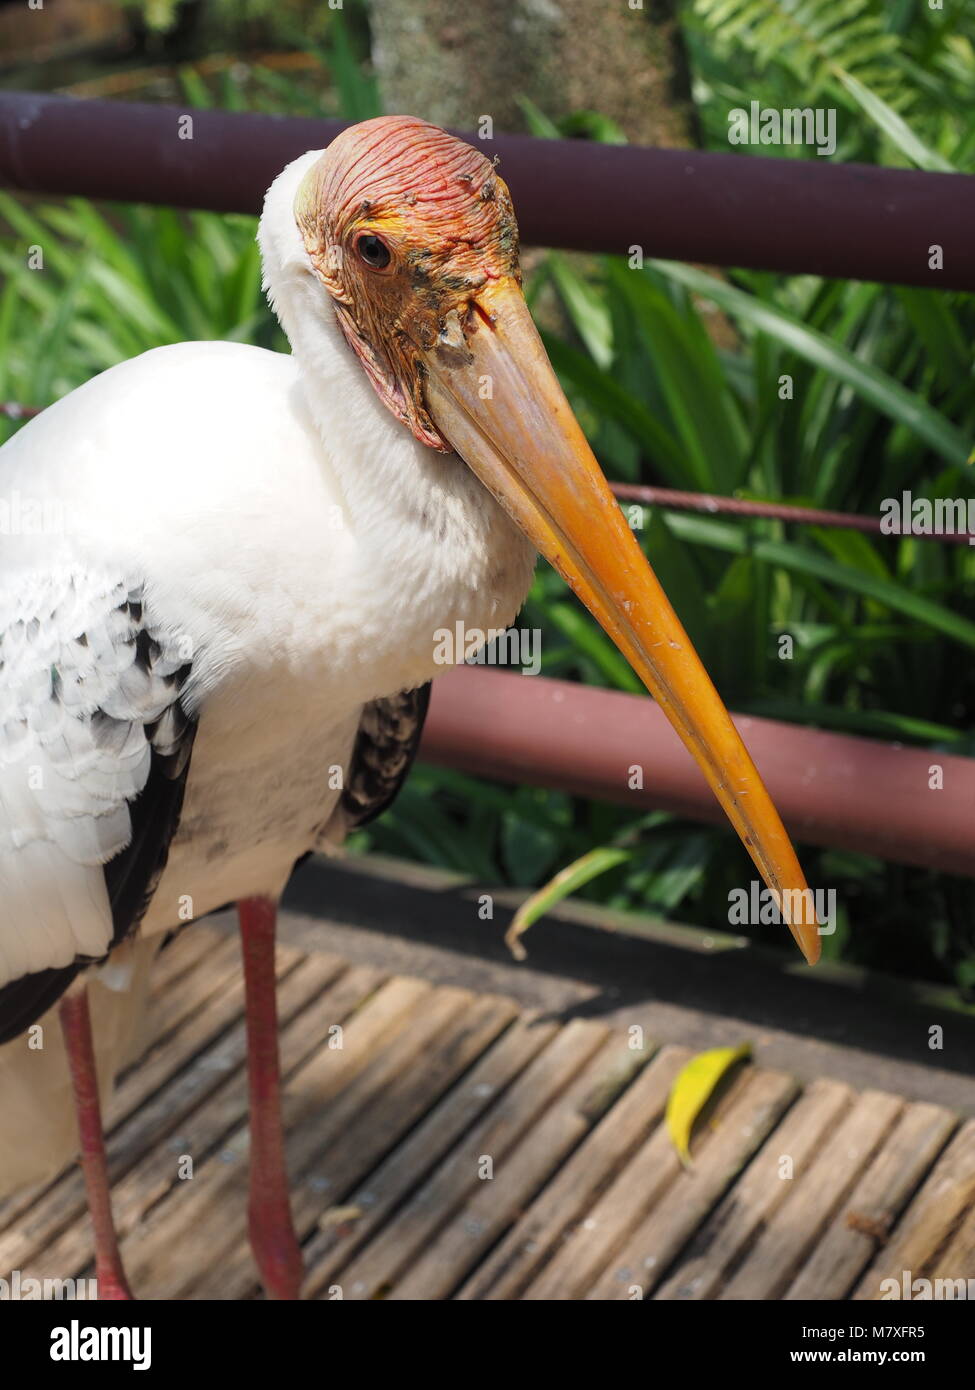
point(831, 789)
point(712, 504)
point(847, 220)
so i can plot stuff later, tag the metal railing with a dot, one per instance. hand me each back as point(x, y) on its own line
point(831, 789)
point(853, 221)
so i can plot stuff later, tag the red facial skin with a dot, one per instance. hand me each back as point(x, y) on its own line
point(446, 220)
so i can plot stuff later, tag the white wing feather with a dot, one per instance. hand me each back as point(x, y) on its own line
point(75, 703)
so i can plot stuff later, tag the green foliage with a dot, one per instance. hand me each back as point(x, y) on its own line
point(806, 39)
point(159, 16)
point(114, 284)
point(275, 18)
point(916, 61)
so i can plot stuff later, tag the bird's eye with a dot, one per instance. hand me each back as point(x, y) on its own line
point(373, 251)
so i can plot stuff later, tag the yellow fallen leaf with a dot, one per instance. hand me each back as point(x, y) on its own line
point(338, 1216)
point(695, 1085)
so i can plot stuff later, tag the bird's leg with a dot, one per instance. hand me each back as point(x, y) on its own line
point(76, 1027)
point(273, 1238)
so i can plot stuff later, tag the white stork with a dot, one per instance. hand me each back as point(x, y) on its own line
point(254, 554)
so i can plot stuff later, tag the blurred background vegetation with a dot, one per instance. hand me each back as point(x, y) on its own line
point(674, 373)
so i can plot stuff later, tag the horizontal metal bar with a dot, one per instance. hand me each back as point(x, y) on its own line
point(852, 221)
point(831, 789)
point(712, 504)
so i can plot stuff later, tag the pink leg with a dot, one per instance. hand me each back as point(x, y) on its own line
point(76, 1027)
point(273, 1238)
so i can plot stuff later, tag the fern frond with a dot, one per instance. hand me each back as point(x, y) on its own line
point(808, 38)
point(919, 62)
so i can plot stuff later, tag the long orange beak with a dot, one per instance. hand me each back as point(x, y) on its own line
point(492, 393)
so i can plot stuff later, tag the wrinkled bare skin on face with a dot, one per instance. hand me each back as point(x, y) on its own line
point(447, 221)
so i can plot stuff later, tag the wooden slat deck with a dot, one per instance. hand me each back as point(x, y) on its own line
point(449, 1144)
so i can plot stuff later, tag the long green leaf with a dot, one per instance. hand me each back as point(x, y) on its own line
point(888, 395)
point(886, 119)
point(566, 881)
point(587, 310)
point(801, 560)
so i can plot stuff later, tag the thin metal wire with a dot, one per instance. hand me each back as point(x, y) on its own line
point(711, 505)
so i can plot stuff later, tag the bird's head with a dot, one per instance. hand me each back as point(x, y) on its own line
point(410, 231)
point(413, 235)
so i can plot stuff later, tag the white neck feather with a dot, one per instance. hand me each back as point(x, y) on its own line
point(420, 514)
point(381, 459)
